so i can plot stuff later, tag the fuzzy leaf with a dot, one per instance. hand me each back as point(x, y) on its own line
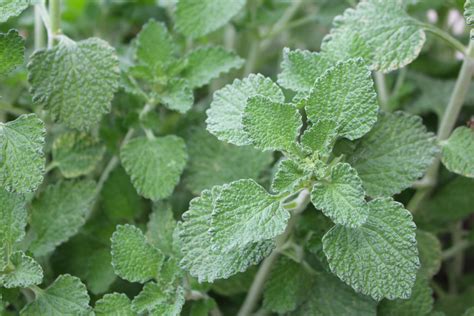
point(114, 304)
point(133, 258)
point(429, 249)
point(224, 118)
point(300, 68)
point(394, 154)
point(196, 18)
point(58, 213)
point(12, 51)
point(391, 34)
point(155, 47)
point(345, 93)
point(24, 272)
point(13, 217)
point(288, 176)
point(213, 162)
point(330, 297)
point(207, 63)
point(75, 81)
point(380, 258)
point(21, 153)
point(320, 137)
point(287, 285)
point(244, 213)
point(65, 296)
point(77, 153)
point(200, 258)
point(341, 197)
point(271, 125)
point(458, 152)
point(177, 96)
point(142, 157)
point(157, 300)
point(11, 8)
point(161, 227)
point(469, 12)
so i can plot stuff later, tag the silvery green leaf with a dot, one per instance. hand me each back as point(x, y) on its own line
point(114, 304)
point(458, 152)
point(11, 8)
point(12, 50)
point(22, 271)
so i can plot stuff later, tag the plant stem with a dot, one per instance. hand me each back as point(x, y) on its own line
point(253, 295)
point(55, 20)
point(447, 124)
point(39, 29)
point(456, 266)
point(456, 248)
point(445, 36)
point(382, 90)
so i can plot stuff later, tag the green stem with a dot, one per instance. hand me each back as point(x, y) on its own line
point(55, 20)
point(5, 107)
point(382, 90)
point(445, 36)
point(39, 29)
point(253, 295)
point(455, 249)
point(457, 264)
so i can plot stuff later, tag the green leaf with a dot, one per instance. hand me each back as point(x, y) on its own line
point(22, 271)
point(345, 93)
point(287, 285)
point(469, 12)
point(213, 162)
point(196, 18)
point(11, 8)
point(114, 304)
point(391, 34)
point(419, 303)
point(288, 176)
point(341, 197)
point(177, 95)
point(244, 213)
point(133, 258)
point(271, 125)
point(200, 257)
point(380, 258)
point(65, 296)
point(21, 153)
point(224, 118)
point(320, 137)
point(76, 153)
point(156, 300)
point(340, 48)
point(161, 227)
point(300, 68)
point(141, 155)
point(394, 154)
point(429, 249)
point(458, 152)
point(58, 213)
point(207, 63)
point(154, 46)
point(13, 217)
point(12, 51)
point(75, 81)
point(330, 297)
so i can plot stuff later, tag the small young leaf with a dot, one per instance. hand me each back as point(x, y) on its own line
point(21, 153)
point(394, 37)
point(341, 197)
point(155, 299)
point(458, 152)
point(213, 162)
point(224, 117)
point(75, 81)
point(24, 272)
point(12, 50)
point(114, 304)
point(320, 137)
point(469, 12)
point(207, 63)
point(133, 258)
point(395, 153)
point(380, 258)
point(288, 176)
point(429, 249)
point(76, 153)
point(161, 227)
point(200, 257)
point(58, 213)
point(244, 213)
point(300, 68)
point(66, 296)
point(142, 155)
point(155, 47)
point(177, 96)
point(196, 18)
point(330, 297)
point(345, 93)
point(11, 8)
point(12, 223)
point(271, 125)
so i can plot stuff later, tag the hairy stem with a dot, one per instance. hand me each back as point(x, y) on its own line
point(382, 91)
point(39, 29)
point(253, 295)
point(445, 36)
point(447, 124)
point(55, 20)
point(460, 246)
